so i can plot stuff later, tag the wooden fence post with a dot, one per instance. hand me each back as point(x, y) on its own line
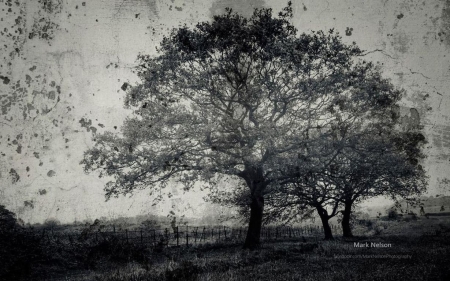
point(126, 233)
point(178, 237)
point(195, 235)
point(187, 236)
point(225, 232)
point(142, 240)
point(203, 234)
point(219, 233)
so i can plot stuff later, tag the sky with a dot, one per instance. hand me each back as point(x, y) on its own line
point(64, 62)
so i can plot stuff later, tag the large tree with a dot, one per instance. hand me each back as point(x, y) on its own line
point(236, 97)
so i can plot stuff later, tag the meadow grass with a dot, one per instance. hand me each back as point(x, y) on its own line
point(420, 250)
point(295, 260)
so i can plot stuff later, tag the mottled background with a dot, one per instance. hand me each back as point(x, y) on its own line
point(64, 63)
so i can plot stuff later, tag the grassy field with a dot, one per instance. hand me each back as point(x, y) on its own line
point(419, 250)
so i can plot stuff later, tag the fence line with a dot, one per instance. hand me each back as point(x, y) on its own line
point(185, 235)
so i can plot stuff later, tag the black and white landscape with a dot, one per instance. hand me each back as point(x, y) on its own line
point(224, 140)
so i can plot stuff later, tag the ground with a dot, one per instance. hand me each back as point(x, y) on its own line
point(419, 250)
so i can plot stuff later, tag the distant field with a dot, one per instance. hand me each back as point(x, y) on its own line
point(419, 250)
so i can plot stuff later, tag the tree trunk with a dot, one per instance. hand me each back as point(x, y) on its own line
point(324, 217)
point(252, 241)
point(346, 229)
point(254, 177)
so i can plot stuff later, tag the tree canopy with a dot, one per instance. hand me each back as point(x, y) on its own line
point(243, 98)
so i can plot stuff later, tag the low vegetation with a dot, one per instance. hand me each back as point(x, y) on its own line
point(417, 258)
point(420, 250)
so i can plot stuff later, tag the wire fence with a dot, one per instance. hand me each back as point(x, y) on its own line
point(185, 235)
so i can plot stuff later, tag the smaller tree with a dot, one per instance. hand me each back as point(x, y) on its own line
point(303, 195)
point(51, 223)
point(392, 214)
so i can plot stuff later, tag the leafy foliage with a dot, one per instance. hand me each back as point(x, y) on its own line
point(236, 97)
point(253, 100)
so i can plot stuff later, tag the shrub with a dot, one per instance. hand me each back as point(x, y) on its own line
point(392, 214)
point(20, 250)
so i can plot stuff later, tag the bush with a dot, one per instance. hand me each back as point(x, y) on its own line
point(20, 250)
point(392, 214)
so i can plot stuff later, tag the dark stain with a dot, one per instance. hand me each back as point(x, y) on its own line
point(42, 191)
point(5, 79)
point(445, 23)
point(348, 31)
point(51, 173)
point(411, 122)
point(51, 6)
point(179, 9)
point(125, 86)
point(19, 149)
point(36, 154)
point(28, 169)
point(85, 123)
point(442, 36)
point(14, 176)
point(43, 28)
point(29, 204)
point(83, 4)
point(400, 16)
point(28, 80)
point(304, 8)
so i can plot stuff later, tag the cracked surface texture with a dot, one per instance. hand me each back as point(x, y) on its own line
point(64, 65)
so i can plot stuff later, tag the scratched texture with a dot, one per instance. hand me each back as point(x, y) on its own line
point(64, 62)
